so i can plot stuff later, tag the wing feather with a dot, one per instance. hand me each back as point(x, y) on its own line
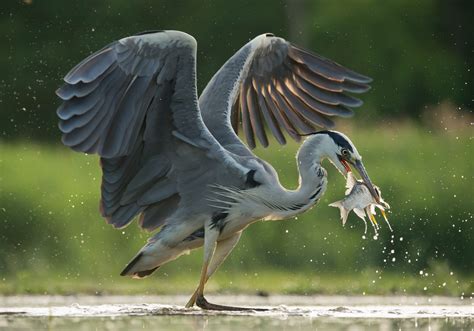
point(280, 87)
point(134, 103)
point(302, 108)
point(92, 67)
point(294, 121)
point(325, 67)
point(268, 115)
point(255, 117)
point(329, 109)
point(279, 114)
point(328, 97)
point(247, 126)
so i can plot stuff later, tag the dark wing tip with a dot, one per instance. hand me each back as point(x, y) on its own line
point(326, 67)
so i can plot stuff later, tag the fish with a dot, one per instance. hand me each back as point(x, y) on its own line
point(358, 198)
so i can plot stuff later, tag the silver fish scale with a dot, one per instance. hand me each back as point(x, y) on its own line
point(359, 197)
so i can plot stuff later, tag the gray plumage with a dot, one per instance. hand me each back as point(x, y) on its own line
point(178, 161)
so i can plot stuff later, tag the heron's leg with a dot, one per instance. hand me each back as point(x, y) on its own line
point(209, 267)
point(210, 239)
point(223, 249)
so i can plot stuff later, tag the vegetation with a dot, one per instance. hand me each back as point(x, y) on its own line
point(53, 239)
point(416, 142)
point(418, 52)
point(257, 282)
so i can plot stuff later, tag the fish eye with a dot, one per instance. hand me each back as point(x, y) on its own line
point(345, 152)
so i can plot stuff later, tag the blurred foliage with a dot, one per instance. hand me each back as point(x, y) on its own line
point(420, 56)
point(50, 224)
point(418, 52)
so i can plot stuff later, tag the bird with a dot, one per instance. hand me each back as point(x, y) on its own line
point(174, 160)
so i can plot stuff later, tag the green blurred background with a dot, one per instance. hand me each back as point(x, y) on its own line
point(414, 131)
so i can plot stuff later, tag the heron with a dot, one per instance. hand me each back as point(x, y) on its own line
point(176, 160)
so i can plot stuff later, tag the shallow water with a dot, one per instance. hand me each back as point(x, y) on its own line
point(284, 313)
point(229, 323)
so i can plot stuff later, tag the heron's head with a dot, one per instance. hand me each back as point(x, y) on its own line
point(340, 150)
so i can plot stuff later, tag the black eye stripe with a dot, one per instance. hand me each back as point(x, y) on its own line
point(338, 139)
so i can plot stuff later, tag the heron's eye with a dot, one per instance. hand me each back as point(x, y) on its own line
point(345, 152)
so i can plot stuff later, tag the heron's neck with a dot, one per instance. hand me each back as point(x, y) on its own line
point(312, 182)
point(311, 173)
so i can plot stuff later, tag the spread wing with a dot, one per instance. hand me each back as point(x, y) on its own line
point(273, 85)
point(135, 104)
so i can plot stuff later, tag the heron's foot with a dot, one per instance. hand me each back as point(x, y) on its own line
point(191, 301)
point(204, 304)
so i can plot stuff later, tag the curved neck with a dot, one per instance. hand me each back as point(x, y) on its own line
point(312, 180)
point(309, 158)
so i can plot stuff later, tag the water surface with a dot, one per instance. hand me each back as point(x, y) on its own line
point(284, 313)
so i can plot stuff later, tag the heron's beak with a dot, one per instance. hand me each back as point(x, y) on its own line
point(365, 177)
point(345, 164)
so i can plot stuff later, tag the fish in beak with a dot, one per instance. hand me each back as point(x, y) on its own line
point(359, 199)
point(359, 167)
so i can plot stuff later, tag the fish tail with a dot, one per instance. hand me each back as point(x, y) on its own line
point(337, 204)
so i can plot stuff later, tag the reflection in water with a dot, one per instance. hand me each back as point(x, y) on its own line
point(229, 323)
point(299, 313)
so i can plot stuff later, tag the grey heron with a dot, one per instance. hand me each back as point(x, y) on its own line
point(177, 160)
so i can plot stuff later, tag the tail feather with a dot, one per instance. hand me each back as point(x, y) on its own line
point(131, 264)
point(153, 255)
point(127, 271)
point(144, 273)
